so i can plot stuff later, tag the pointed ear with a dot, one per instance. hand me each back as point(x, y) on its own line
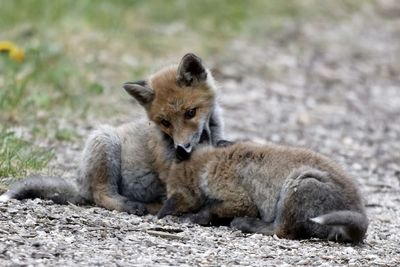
point(140, 91)
point(169, 207)
point(190, 71)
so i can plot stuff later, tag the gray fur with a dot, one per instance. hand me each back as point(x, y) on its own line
point(139, 181)
point(102, 145)
point(215, 121)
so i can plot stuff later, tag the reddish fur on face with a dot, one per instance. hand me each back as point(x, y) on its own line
point(171, 102)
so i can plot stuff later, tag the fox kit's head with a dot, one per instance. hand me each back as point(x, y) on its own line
point(179, 100)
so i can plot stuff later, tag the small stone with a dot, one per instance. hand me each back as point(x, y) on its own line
point(41, 255)
point(12, 210)
point(69, 239)
point(349, 250)
point(357, 167)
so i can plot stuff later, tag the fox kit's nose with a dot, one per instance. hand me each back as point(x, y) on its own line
point(183, 151)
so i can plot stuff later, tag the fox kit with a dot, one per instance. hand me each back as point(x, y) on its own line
point(124, 168)
point(295, 192)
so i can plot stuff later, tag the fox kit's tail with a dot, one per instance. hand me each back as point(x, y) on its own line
point(347, 225)
point(57, 189)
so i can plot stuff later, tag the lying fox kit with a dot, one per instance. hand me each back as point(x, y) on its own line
point(122, 168)
point(295, 192)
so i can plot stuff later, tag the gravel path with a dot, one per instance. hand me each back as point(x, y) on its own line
point(333, 87)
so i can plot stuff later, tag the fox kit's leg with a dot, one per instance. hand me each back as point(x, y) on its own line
point(219, 205)
point(210, 214)
point(230, 201)
point(305, 194)
point(233, 207)
point(203, 217)
point(101, 172)
point(311, 204)
point(287, 210)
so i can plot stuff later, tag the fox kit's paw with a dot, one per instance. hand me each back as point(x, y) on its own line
point(224, 143)
point(135, 208)
point(243, 224)
point(203, 217)
point(252, 225)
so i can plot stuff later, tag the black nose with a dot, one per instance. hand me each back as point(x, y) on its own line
point(181, 153)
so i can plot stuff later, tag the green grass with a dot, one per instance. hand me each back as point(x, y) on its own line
point(65, 135)
point(18, 158)
point(79, 52)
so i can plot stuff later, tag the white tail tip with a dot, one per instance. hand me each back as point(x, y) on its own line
point(4, 197)
point(319, 220)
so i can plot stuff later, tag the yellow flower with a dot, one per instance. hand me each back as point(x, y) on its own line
point(14, 52)
point(17, 54)
point(5, 46)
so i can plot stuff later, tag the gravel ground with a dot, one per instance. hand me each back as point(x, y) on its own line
point(330, 86)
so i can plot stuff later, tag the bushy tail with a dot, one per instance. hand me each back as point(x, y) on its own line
point(58, 189)
point(347, 225)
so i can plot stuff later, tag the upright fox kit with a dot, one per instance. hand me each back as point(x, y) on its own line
point(124, 168)
point(297, 193)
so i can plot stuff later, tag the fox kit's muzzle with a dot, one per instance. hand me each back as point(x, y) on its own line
point(183, 151)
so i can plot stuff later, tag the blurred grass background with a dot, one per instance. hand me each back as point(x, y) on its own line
point(78, 53)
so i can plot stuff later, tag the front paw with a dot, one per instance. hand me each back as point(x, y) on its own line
point(135, 208)
point(241, 223)
point(224, 143)
point(202, 218)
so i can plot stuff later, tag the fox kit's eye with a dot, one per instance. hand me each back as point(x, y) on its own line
point(165, 123)
point(190, 113)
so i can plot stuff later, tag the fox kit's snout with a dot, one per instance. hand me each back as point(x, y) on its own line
point(183, 151)
point(179, 100)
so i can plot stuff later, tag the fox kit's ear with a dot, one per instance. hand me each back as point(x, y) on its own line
point(190, 71)
point(140, 91)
